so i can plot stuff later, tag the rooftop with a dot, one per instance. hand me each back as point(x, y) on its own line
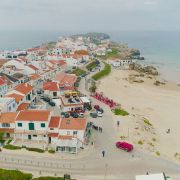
point(17, 97)
point(24, 88)
point(8, 117)
point(73, 123)
point(23, 106)
point(51, 86)
point(54, 122)
point(71, 101)
point(33, 115)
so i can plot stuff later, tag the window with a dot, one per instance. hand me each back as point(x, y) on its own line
point(9, 108)
point(5, 125)
point(19, 124)
point(34, 135)
point(31, 126)
point(74, 132)
point(43, 125)
point(68, 132)
point(51, 128)
point(13, 105)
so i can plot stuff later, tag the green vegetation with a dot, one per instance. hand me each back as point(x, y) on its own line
point(147, 122)
point(11, 147)
point(18, 175)
point(9, 141)
point(14, 175)
point(120, 111)
point(154, 139)
point(93, 87)
point(78, 72)
point(104, 72)
point(113, 54)
point(51, 151)
point(140, 142)
point(158, 153)
point(49, 178)
point(1, 138)
point(91, 65)
point(123, 137)
point(151, 144)
point(35, 150)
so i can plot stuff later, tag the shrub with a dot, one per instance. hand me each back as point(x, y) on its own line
point(9, 141)
point(78, 72)
point(147, 122)
point(91, 65)
point(123, 137)
point(51, 151)
point(35, 150)
point(11, 147)
point(104, 72)
point(119, 111)
point(151, 144)
point(14, 174)
point(154, 139)
point(158, 153)
point(140, 142)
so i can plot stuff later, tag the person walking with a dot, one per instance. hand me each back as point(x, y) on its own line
point(103, 153)
point(118, 123)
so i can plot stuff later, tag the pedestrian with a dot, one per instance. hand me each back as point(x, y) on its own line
point(99, 129)
point(118, 123)
point(103, 153)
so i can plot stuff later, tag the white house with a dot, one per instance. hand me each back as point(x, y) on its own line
point(3, 86)
point(71, 135)
point(51, 89)
point(7, 123)
point(8, 104)
point(32, 125)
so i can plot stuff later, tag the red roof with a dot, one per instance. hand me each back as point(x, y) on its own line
point(17, 97)
point(51, 86)
point(65, 137)
point(33, 115)
point(33, 67)
point(24, 88)
point(73, 123)
point(34, 76)
point(2, 81)
point(23, 106)
point(54, 122)
point(64, 79)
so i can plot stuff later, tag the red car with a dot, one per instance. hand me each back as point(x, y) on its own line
point(125, 146)
point(96, 107)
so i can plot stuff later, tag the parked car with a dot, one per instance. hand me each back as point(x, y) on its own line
point(46, 99)
point(81, 115)
point(52, 103)
point(74, 115)
point(93, 115)
point(124, 145)
point(64, 114)
point(99, 114)
point(96, 107)
point(100, 110)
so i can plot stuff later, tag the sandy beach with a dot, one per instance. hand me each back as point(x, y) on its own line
point(158, 104)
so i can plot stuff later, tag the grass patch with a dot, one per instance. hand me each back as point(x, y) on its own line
point(51, 151)
point(91, 65)
point(147, 122)
point(113, 54)
point(140, 142)
point(14, 175)
point(11, 147)
point(35, 150)
point(78, 72)
point(119, 111)
point(104, 72)
point(158, 153)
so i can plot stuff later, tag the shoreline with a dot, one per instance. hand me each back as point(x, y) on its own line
point(158, 104)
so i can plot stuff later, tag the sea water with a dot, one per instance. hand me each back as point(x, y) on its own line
point(161, 49)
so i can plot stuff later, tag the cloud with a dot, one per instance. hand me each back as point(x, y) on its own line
point(151, 2)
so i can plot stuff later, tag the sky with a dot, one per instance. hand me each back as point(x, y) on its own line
point(89, 15)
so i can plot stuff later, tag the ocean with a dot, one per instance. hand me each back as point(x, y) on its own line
point(161, 49)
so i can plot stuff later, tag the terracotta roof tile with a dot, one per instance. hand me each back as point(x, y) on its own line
point(23, 106)
point(65, 137)
point(17, 97)
point(53, 134)
point(8, 117)
point(73, 123)
point(33, 115)
point(54, 122)
point(24, 88)
point(33, 67)
point(51, 86)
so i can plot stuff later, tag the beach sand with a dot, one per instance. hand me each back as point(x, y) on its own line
point(160, 105)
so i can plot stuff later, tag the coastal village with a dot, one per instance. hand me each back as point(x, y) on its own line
point(53, 99)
